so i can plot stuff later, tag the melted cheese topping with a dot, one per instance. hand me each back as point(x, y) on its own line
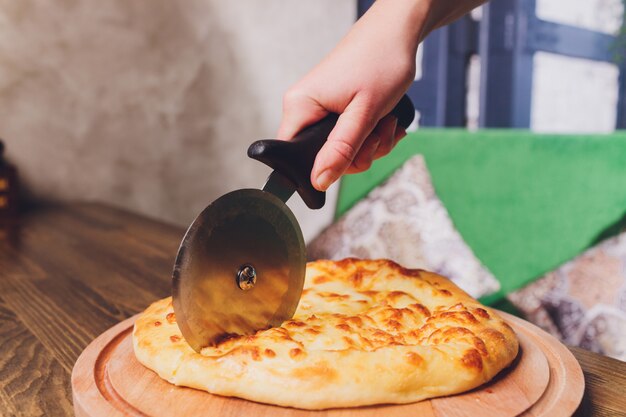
point(348, 306)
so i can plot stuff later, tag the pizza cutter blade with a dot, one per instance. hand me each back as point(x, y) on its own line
point(240, 267)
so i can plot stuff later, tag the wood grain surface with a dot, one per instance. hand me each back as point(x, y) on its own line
point(68, 273)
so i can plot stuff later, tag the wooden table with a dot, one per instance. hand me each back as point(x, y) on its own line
point(68, 273)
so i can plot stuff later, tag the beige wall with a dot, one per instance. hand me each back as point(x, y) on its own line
point(151, 104)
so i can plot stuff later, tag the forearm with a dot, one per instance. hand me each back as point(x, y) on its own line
point(412, 20)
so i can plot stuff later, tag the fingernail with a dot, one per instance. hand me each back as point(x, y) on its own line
point(325, 179)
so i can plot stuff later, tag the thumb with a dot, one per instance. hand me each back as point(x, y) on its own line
point(343, 144)
point(299, 111)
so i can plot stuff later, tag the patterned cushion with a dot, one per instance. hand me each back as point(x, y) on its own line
point(583, 302)
point(403, 220)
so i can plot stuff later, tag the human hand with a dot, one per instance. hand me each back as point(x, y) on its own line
point(362, 79)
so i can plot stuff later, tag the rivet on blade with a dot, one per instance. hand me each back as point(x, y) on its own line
point(246, 277)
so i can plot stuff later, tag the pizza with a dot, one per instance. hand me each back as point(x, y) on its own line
point(365, 332)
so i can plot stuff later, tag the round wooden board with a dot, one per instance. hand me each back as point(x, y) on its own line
point(107, 380)
point(567, 382)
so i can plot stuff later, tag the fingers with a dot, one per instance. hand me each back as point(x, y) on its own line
point(353, 144)
point(365, 156)
point(343, 144)
point(400, 133)
point(299, 111)
point(386, 129)
point(378, 144)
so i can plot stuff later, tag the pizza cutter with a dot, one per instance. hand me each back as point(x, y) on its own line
point(240, 267)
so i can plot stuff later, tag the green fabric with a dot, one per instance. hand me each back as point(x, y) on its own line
point(525, 203)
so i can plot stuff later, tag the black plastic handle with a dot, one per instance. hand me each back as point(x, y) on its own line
point(294, 158)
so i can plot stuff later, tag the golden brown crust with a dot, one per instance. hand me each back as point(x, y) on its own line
point(365, 332)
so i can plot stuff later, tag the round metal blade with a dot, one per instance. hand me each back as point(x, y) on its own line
point(247, 232)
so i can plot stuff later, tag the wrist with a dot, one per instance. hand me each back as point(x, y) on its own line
point(413, 20)
point(405, 20)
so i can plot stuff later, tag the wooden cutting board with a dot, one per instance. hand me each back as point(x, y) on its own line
point(107, 380)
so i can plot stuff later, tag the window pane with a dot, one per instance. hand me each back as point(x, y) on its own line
point(601, 15)
point(472, 97)
point(418, 62)
point(573, 95)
